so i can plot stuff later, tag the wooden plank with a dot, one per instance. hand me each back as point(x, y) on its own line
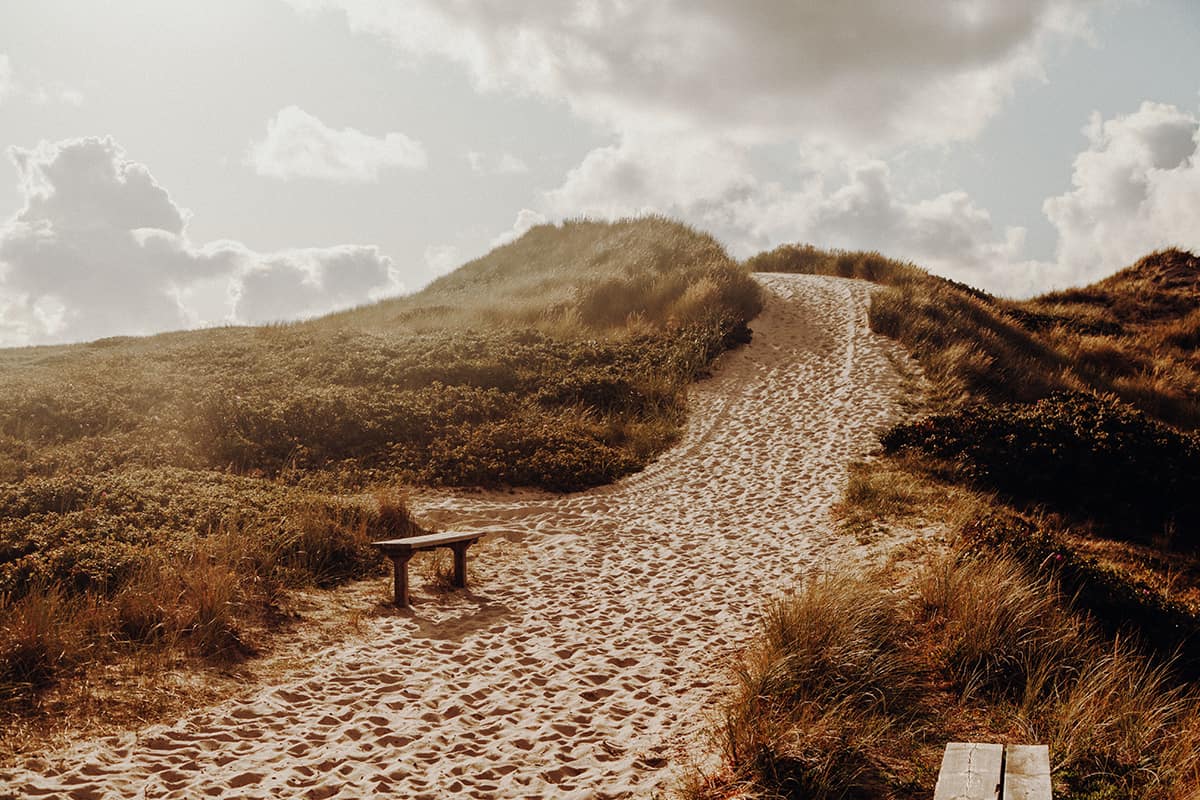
point(1027, 772)
point(970, 771)
point(428, 540)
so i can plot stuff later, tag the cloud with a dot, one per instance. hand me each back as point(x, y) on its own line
point(100, 248)
point(11, 87)
point(298, 145)
point(862, 209)
point(693, 91)
point(870, 73)
point(309, 282)
point(1135, 188)
point(526, 218)
point(440, 259)
point(511, 165)
point(504, 164)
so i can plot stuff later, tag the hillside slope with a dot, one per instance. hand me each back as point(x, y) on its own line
point(584, 661)
point(160, 492)
point(1078, 408)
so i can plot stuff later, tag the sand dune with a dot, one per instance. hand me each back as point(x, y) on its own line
point(580, 664)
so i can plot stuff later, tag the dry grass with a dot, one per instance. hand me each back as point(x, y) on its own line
point(854, 685)
point(168, 494)
point(1129, 341)
point(209, 600)
point(1132, 334)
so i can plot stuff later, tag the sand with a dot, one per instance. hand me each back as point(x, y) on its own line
point(586, 662)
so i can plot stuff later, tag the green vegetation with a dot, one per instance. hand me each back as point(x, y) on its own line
point(1084, 456)
point(164, 491)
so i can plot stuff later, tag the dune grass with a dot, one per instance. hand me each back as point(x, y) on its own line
point(1063, 421)
point(1132, 335)
point(166, 492)
point(1082, 402)
point(855, 684)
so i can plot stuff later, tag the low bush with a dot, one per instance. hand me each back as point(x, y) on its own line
point(198, 588)
point(1122, 604)
point(1080, 454)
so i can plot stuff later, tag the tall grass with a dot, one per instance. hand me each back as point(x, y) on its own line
point(854, 685)
point(198, 594)
point(1056, 402)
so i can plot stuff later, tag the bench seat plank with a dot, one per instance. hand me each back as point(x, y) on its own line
point(1027, 772)
point(426, 540)
point(970, 771)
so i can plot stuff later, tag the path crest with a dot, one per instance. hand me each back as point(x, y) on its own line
point(585, 668)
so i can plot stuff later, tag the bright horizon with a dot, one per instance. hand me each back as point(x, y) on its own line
point(174, 164)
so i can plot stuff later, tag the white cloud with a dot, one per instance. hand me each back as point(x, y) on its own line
point(304, 283)
point(692, 90)
point(298, 145)
point(11, 87)
point(866, 73)
point(511, 165)
point(504, 164)
point(441, 258)
point(863, 210)
point(526, 218)
point(100, 248)
point(1135, 188)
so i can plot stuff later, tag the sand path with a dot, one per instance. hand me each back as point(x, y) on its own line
point(584, 667)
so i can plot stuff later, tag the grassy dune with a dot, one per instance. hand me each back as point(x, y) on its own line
point(1078, 408)
point(1063, 461)
point(163, 492)
point(855, 685)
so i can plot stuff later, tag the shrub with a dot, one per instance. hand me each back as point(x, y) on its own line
point(1121, 603)
point(1081, 454)
point(34, 642)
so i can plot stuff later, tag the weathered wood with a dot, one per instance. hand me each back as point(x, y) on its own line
point(426, 541)
point(460, 563)
point(970, 771)
point(401, 550)
point(400, 579)
point(1027, 772)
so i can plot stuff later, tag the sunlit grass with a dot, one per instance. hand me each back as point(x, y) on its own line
point(164, 494)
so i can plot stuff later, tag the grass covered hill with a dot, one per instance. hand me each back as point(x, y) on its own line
point(270, 455)
point(1079, 408)
point(1061, 456)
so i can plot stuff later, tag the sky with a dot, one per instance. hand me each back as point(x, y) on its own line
point(174, 164)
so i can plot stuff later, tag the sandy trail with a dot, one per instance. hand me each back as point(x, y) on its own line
point(585, 664)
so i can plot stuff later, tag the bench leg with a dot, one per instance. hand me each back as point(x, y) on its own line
point(400, 579)
point(460, 564)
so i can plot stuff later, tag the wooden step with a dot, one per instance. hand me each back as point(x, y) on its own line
point(1027, 772)
point(970, 771)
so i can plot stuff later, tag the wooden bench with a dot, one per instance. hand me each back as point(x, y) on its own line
point(994, 772)
point(401, 550)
